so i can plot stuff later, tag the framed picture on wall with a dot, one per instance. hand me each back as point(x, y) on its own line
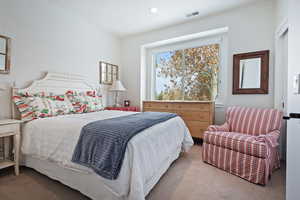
point(108, 73)
point(4, 54)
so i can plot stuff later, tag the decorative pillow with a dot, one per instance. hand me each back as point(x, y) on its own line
point(87, 101)
point(50, 106)
point(23, 105)
point(42, 105)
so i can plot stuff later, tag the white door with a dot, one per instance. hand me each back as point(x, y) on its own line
point(293, 106)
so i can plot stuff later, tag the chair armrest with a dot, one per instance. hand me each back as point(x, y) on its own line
point(223, 127)
point(270, 138)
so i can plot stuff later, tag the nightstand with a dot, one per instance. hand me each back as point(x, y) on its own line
point(129, 108)
point(11, 128)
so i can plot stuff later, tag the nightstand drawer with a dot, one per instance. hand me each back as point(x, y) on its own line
point(9, 128)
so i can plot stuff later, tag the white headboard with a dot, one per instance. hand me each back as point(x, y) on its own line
point(57, 83)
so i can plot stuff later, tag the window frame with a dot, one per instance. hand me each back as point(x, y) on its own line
point(221, 39)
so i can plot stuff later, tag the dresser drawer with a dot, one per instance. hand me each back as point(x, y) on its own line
point(158, 110)
point(194, 116)
point(191, 106)
point(157, 105)
point(197, 115)
point(197, 128)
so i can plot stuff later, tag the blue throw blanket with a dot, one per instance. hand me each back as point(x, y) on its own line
point(102, 144)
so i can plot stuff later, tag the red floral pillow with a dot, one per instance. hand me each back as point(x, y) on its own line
point(41, 105)
point(87, 101)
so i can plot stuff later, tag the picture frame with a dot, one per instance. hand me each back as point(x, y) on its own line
point(108, 73)
point(5, 54)
point(262, 73)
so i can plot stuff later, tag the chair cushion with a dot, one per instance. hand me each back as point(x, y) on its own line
point(239, 142)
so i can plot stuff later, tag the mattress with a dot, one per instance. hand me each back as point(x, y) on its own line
point(147, 157)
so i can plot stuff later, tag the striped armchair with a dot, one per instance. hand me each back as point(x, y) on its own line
point(246, 145)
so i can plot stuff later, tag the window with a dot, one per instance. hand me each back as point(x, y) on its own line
point(186, 74)
point(192, 54)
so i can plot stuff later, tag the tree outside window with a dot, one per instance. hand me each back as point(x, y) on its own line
point(188, 74)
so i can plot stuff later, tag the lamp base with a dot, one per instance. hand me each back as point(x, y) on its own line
point(116, 105)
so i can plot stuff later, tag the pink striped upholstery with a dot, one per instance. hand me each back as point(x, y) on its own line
point(253, 121)
point(243, 143)
point(224, 127)
point(246, 145)
point(245, 166)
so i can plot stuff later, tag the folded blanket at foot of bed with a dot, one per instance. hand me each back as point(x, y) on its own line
point(102, 144)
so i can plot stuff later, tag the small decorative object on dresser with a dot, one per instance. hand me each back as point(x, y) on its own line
point(10, 128)
point(128, 108)
point(126, 103)
point(197, 115)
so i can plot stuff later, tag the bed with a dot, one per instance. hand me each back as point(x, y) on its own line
point(48, 145)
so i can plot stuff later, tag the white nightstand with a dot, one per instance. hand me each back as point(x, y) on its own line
point(11, 128)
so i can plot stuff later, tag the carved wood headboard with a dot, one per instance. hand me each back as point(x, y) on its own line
point(57, 83)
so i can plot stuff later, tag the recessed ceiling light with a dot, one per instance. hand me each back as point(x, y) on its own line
point(153, 10)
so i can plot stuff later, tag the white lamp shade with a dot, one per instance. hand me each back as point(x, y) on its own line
point(117, 86)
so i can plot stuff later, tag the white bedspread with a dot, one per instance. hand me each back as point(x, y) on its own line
point(54, 139)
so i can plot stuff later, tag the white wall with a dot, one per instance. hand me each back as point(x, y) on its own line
point(281, 11)
point(48, 38)
point(251, 28)
point(293, 131)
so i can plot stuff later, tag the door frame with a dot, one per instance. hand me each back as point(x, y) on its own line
point(278, 70)
point(279, 90)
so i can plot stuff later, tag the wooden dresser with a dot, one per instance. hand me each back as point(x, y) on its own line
point(197, 115)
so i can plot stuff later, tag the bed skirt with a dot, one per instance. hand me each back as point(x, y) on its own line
point(90, 184)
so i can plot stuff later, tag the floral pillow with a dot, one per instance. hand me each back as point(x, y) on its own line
point(23, 104)
point(42, 105)
point(83, 102)
point(49, 106)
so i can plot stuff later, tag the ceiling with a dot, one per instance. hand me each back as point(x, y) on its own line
point(127, 17)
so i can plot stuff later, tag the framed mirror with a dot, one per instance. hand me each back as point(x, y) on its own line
point(4, 54)
point(108, 73)
point(251, 73)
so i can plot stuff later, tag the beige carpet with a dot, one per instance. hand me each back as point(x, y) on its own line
point(187, 179)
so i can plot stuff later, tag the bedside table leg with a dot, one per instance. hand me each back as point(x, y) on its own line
point(17, 152)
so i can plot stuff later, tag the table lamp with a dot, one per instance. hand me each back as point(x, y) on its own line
point(117, 87)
